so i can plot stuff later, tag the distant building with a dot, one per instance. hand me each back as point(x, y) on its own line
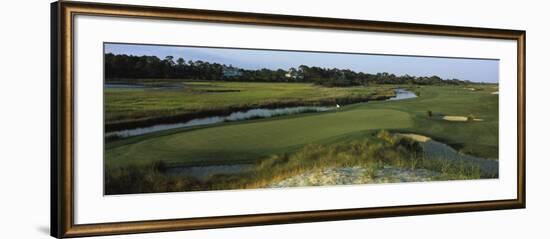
point(293, 73)
point(231, 72)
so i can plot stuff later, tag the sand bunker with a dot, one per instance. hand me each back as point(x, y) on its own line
point(416, 137)
point(455, 118)
point(495, 93)
point(458, 118)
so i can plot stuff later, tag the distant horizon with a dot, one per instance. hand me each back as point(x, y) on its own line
point(475, 70)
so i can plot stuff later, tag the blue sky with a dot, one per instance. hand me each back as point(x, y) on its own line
point(478, 70)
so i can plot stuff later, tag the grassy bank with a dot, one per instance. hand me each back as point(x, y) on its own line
point(373, 151)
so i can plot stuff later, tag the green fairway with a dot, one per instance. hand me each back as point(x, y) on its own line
point(478, 138)
point(249, 141)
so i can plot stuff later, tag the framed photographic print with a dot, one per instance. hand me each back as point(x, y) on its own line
point(172, 119)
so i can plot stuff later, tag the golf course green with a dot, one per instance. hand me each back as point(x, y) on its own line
point(251, 141)
point(189, 118)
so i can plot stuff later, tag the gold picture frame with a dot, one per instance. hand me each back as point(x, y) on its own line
point(62, 180)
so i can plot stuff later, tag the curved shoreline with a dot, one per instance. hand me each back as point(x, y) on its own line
point(184, 117)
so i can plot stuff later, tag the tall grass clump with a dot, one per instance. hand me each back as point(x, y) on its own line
point(372, 153)
point(147, 179)
point(454, 169)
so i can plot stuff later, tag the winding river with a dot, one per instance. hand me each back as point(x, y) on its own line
point(400, 94)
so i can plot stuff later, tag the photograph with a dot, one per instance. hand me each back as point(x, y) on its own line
point(165, 118)
point(201, 118)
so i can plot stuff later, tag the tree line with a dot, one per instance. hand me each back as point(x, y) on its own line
point(129, 68)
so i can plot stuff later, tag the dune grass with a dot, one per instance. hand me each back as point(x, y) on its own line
point(372, 150)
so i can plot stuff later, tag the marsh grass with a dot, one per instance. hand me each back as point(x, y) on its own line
point(146, 179)
point(126, 108)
